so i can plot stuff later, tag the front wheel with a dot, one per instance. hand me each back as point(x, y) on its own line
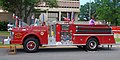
point(92, 44)
point(31, 45)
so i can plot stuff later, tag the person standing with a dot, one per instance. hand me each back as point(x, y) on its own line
point(92, 21)
point(32, 19)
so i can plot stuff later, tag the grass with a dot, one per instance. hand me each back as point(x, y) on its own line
point(4, 33)
point(117, 39)
point(4, 45)
point(0, 43)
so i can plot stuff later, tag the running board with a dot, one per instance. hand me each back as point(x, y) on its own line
point(64, 45)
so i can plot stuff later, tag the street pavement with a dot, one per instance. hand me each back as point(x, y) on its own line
point(63, 54)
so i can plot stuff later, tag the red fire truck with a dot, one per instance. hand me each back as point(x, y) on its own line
point(65, 34)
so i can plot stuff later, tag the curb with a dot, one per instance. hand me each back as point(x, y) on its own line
point(4, 46)
point(9, 47)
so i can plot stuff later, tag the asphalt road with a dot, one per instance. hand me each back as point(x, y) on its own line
point(63, 54)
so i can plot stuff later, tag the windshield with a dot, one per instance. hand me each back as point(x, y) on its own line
point(24, 24)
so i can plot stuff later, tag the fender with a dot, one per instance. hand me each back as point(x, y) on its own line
point(91, 37)
point(32, 33)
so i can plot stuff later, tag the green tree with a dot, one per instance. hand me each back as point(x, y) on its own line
point(23, 8)
point(108, 10)
point(84, 11)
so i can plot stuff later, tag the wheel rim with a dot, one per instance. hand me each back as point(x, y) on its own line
point(92, 44)
point(31, 45)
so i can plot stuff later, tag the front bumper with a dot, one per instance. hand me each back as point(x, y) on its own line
point(9, 41)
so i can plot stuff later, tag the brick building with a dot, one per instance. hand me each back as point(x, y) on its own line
point(5, 16)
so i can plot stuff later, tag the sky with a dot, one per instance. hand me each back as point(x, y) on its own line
point(82, 2)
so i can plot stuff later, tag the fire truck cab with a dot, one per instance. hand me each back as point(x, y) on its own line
point(62, 34)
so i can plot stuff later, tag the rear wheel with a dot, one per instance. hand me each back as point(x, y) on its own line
point(92, 44)
point(31, 45)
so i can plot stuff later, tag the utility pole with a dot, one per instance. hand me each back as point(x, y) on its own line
point(90, 9)
point(116, 5)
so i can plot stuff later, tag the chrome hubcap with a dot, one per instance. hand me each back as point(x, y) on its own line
point(31, 45)
point(92, 44)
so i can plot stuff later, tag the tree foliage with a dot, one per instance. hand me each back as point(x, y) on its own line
point(84, 11)
point(108, 10)
point(3, 25)
point(23, 8)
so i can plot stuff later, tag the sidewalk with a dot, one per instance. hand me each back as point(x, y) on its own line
point(117, 44)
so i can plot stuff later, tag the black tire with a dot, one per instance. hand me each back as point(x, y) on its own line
point(92, 44)
point(31, 45)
